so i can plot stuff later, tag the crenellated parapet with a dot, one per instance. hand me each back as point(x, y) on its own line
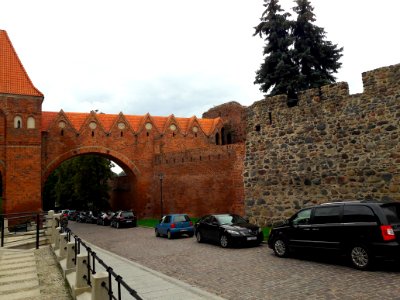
point(331, 146)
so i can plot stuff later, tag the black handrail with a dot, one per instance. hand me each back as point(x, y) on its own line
point(91, 269)
point(37, 217)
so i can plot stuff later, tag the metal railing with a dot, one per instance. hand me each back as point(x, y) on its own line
point(91, 269)
point(18, 222)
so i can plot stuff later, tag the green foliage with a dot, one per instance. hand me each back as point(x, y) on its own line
point(79, 183)
point(297, 56)
point(266, 231)
point(278, 72)
point(316, 58)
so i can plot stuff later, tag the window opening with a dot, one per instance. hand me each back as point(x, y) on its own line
point(217, 138)
point(122, 134)
point(92, 133)
point(31, 123)
point(17, 122)
point(270, 118)
point(258, 127)
point(229, 138)
point(222, 136)
point(62, 132)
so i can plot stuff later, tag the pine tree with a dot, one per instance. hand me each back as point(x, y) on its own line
point(278, 73)
point(316, 58)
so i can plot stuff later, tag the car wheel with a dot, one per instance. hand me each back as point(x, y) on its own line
point(199, 237)
point(360, 257)
point(157, 233)
point(169, 235)
point(223, 241)
point(280, 248)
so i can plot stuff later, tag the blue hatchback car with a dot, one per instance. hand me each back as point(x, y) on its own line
point(173, 225)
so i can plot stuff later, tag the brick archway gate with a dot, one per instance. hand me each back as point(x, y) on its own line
point(199, 176)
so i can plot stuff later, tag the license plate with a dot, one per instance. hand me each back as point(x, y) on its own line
point(128, 221)
point(252, 238)
point(183, 230)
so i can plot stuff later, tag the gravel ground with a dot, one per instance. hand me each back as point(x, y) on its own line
point(51, 281)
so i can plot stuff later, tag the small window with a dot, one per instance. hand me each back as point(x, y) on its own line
point(183, 218)
point(302, 217)
point(392, 212)
point(30, 123)
point(17, 122)
point(326, 214)
point(167, 219)
point(358, 213)
point(258, 128)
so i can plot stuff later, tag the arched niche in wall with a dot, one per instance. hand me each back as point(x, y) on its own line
point(30, 123)
point(17, 122)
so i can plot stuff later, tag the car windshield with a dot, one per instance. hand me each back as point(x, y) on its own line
point(181, 218)
point(230, 219)
point(127, 214)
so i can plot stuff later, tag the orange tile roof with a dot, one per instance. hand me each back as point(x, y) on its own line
point(13, 77)
point(108, 120)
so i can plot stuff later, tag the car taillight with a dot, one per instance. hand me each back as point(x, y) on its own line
point(172, 225)
point(387, 233)
point(191, 223)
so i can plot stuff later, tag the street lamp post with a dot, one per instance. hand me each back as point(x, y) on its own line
point(161, 176)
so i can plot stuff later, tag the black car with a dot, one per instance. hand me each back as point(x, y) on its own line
point(104, 218)
point(362, 230)
point(227, 230)
point(124, 218)
point(81, 217)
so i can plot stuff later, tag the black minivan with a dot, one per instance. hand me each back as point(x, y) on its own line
point(362, 230)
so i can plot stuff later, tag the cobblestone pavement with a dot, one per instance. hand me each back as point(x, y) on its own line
point(244, 273)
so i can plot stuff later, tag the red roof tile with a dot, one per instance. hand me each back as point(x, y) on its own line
point(13, 77)
point(108, 120)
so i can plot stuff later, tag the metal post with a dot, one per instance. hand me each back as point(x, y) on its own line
point(37, 230)
point(2, 231)
point(161, 176)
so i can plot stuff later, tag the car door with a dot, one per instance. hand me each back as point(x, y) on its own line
point(165, 222)
point(209, 228)
point(326, 227)
point(299, 230)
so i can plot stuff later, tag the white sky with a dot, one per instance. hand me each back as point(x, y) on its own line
point(176, 56)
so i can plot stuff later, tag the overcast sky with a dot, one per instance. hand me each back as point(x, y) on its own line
point(177, 57)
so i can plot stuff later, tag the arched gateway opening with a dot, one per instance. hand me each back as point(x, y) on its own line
point(199, 176)
point(90, 182)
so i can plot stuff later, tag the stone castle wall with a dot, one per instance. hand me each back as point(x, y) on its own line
point(332, 146)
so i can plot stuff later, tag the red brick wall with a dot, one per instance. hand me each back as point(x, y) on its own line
point(199, 176)
point(20, 156)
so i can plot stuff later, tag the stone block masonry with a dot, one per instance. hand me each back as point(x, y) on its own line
point(331, 147)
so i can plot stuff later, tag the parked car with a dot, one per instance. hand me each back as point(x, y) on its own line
point(227, 230)
point(64, 212)
point(81, 217)
point(124, 218)
point(105, 218)
point(91, 217)
point(72, 214)
point(361, 230)
point(173, 225)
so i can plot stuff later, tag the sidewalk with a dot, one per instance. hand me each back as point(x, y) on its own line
point(149, 284)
